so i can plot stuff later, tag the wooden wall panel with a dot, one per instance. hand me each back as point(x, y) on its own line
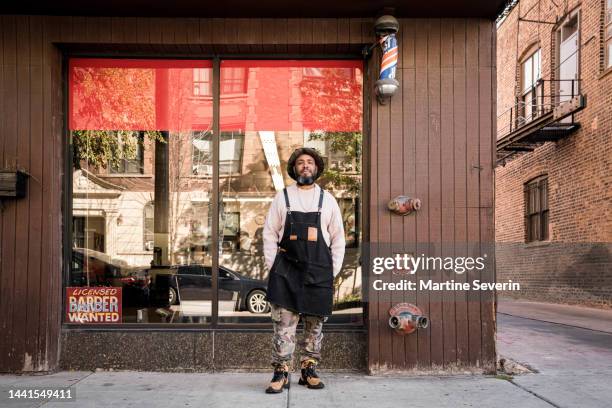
point(422, 175)
point(4, 278)
point(436, 333)
point(22, 219)
point(374, 324)
point(396, 164)
point(9, 279)
point(432, 141)
point(409, 103)
point(446, 136)
point(473, 173)
point(460, 181)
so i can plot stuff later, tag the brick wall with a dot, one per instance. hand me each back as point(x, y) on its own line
point(574, 265)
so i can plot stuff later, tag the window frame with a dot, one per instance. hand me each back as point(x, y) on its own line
point(213, 324)
point(606, 35)
point(240, 137)
point(200, 84)
point(537, 211)
point(534, 90)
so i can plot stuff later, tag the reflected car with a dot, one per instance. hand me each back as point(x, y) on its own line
point(194, 283)
point(94, 268)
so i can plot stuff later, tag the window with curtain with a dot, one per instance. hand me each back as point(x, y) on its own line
point(536, 209)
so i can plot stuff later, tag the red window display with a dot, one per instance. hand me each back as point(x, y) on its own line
point(176, 95)
point(292, 95)
point(130, 94)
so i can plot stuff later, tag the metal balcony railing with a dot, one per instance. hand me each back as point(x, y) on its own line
point(540, 115)
point(543, 97)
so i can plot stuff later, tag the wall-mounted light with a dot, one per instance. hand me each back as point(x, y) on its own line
point(386, 27)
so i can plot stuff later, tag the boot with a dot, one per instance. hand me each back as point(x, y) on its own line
point(280, 379)
point(309, 377)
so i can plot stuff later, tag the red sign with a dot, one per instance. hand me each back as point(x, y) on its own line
point(88, 305)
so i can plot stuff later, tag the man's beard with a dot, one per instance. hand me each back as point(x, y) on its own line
point(306, 180)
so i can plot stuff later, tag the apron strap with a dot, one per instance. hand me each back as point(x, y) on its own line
point(287, 200)
point(321, 201)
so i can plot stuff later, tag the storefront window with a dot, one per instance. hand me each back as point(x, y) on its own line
point(286, 105)
point(142, 192)
point(140, 219)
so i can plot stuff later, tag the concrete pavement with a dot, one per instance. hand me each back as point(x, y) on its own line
point(570, 315)
point(572, 366)
point(163, 390)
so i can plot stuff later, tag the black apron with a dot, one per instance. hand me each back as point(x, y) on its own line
point(302, 278)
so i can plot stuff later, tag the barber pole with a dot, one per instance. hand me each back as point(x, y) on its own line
point(387, 85)
point(388, 64)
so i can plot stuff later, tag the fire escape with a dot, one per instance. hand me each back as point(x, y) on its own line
point(545, 116)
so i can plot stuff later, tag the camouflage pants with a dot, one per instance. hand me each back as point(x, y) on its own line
point(285, 323)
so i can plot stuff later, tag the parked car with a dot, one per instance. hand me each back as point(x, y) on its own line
point(94, 268)
point(194, 282)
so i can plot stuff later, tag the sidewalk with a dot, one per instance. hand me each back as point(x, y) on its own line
point(568, 348)
point(230, 390)
point(576, 316)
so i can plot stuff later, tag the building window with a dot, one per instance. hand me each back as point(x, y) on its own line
point(201, 82)
point(132, 146)
point(230, 153)
point(234, 80)
point(607, 34)
point(531, 87)
point(149, 228)
point(536, 209)
point(568, 68)
point(156, 243)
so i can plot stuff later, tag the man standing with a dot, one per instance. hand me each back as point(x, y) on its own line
point(303, 248)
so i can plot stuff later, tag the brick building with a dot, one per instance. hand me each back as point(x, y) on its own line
point(553, 218)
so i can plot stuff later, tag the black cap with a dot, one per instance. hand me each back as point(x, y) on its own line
point(310, 152)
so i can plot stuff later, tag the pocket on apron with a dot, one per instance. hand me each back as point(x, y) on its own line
point(319, 275)
point(303, 232)
point(283, 265)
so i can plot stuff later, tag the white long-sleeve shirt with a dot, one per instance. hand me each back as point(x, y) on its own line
point(305, 200)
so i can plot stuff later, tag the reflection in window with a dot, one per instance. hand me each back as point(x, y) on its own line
point(138, 116)
point(289, 104)
point(230, 153)
point(131, 147)
point(88, 232)
point(148, 222)
point(234, 80)
point(152, 235)
point(201, 82)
